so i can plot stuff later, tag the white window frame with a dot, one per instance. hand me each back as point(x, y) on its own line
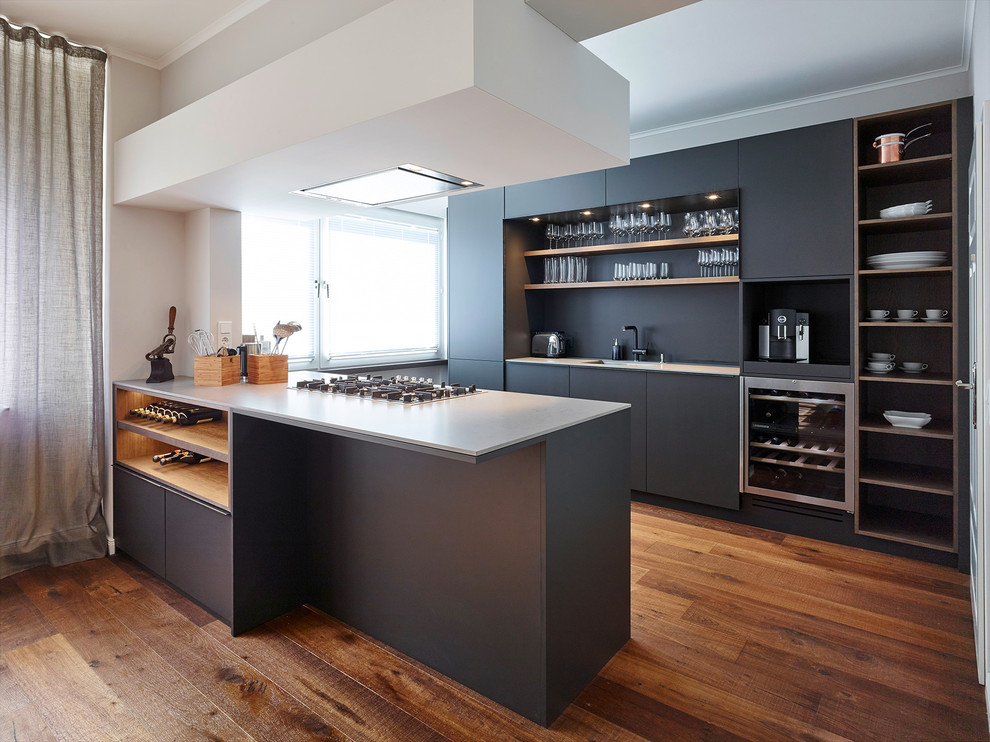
point(328, 363)
point(322, 360)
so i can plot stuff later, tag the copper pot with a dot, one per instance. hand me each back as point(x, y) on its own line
point(891, 146)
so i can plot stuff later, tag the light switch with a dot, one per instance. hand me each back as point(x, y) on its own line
point(225, 328)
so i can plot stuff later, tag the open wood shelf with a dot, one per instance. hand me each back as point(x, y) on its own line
point(921, 223)
point(206, 481)
point(900, 377)
point(881, 323)
point(632, 284)
point(934, 429)
point(919, 529)
point(677, 243)
point(209, 439)
point(906, 171)
point(932, 479)
point(934, 271)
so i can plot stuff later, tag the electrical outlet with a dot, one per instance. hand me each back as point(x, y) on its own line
point(225, 329)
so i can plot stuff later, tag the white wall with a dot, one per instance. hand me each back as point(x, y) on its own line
point(980, 58)
point(269, 33)
point(213, 261)
point(144, 248)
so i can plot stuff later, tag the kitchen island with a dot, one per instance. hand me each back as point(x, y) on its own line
point(486, 536)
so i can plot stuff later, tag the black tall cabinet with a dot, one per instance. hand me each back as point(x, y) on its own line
point(476, 282)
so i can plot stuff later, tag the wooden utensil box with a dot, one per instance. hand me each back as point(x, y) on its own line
point(216, 370)
point(267, 369)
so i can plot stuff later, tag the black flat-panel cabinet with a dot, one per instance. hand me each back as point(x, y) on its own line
point(475, 275)
point(183, 540)
point(567, 193)
point(796, 202)
point(139, 519)
point(198, 557)
point(714, 167)
point(692, 438)
point(532, 378)
point(619, 386)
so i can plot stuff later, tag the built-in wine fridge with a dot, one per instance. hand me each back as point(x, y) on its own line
point(798, 441)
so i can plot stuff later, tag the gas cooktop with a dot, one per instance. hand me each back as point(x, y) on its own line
point(397, 389)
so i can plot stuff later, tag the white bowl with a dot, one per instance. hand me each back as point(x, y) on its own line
point(907, 419)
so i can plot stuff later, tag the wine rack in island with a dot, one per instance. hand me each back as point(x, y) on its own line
point(907, 263)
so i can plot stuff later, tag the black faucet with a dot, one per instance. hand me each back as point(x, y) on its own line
point(637, 352)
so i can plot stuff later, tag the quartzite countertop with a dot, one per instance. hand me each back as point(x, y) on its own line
point(674, 368)
point(473, 426)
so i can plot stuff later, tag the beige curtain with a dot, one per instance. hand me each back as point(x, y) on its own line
point(51, 333)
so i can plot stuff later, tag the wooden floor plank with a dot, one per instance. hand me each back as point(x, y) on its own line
point(739, 633)
point(873, 707)
point(638, 669)
point(254, 702)
point(20, 621)
point(651, 719)
point(945, 677)
point(75, 703)
point(171, 708)
point(452, 710)
point(357, 711)
point(679, 575)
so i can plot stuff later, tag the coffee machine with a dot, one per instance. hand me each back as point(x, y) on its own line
point(784, 336)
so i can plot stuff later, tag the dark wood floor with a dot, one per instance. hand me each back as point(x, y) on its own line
point(737, 633)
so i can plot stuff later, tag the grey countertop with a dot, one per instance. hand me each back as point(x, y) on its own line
point(678, 368)
point(471, 426)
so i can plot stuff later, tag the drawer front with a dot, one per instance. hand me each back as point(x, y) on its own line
point(139, 519)
point(198, 552)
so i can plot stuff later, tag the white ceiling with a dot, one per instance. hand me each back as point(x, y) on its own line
point(723, 57)
point(705, 60)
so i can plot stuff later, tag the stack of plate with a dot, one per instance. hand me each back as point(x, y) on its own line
point(907, 419)
point(902, 260)
point(915, 209)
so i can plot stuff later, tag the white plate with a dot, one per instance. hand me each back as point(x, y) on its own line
point(910, 370)
point(915, 209)
point(933, 319)
point(923, 254)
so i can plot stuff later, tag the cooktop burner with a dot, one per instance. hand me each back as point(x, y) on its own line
point(400, 389)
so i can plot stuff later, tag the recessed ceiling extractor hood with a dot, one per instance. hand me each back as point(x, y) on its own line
point(395, 185)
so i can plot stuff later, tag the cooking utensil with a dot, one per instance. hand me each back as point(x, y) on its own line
point(890, 147)
point(284, 332)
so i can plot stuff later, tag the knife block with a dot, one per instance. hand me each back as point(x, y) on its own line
point(267, 369)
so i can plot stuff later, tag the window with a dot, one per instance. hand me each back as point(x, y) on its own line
point(366, 290)
point(279, 269)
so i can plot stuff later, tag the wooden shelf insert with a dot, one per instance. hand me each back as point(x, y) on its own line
point(632, 284)
point(922, 223)
point(914, 477)
point(206, 481)
point(677, 243)
point(934, 429)
point(209, 439)
point(906, 171)
point(936, 270)
point(803, 400)
point(929, 531)
point(900, 377)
